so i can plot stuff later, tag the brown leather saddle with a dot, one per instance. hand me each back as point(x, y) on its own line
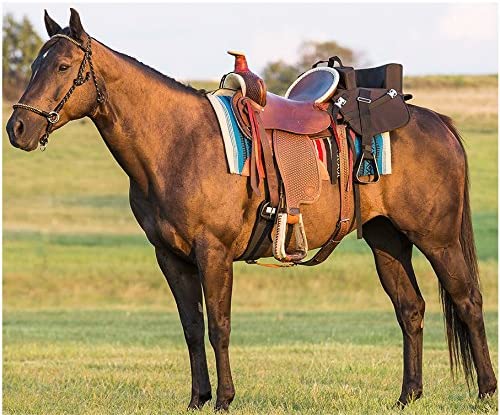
point(326, 101)
point(281, 130)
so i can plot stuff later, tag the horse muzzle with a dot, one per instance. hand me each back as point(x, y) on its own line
point(18, 133)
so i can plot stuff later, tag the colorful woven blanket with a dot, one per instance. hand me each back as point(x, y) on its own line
point(238, 147)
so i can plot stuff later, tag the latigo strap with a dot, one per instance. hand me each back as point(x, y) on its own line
point(344, 224)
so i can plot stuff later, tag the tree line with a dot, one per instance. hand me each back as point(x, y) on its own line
point(21, 44)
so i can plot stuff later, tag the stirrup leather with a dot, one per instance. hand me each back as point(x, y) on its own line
point(279, 245)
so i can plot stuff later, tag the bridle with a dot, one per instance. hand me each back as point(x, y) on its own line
point(53, 116)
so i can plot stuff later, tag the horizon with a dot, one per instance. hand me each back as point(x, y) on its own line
point(449, 27)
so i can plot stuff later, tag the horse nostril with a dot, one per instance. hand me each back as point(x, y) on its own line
point(19, 128)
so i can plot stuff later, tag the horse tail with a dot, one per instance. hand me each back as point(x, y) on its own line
point(459, 342)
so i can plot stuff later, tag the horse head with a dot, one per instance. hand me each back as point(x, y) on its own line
point(63, 86)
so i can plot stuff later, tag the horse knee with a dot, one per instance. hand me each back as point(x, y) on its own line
point(194, 333)
point(412, 316)
point(218, 333)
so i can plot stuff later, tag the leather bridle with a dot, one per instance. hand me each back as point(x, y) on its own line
point(53, 116)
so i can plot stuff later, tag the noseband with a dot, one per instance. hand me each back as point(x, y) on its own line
point(53, 116)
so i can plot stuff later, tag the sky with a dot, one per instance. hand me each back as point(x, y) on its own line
point(189, 41)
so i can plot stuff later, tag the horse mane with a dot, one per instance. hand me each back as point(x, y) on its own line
point(167, 80)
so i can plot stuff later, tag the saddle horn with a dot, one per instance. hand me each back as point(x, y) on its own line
point(240, 61)
point(254, 86)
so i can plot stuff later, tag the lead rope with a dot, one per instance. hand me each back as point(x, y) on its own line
point(54, 116)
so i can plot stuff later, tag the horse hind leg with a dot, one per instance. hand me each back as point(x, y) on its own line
point(185, 285)
point(463, 308)
point(392, 251)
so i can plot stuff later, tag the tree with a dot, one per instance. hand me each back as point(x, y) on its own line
point(279, 75)
point(20, 47)
point(311, 52)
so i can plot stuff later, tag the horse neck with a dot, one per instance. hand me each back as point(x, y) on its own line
point(145, 115)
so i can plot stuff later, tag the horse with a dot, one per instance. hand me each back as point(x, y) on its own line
point(199, 218)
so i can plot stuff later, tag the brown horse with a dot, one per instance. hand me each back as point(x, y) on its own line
point(165, 136)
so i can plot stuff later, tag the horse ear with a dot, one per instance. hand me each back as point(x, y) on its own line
point(75, 25)
point(51, 26)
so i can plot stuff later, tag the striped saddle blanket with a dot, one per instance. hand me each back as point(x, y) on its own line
point(238, 147)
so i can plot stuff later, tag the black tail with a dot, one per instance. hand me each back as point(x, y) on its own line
point(459, 344)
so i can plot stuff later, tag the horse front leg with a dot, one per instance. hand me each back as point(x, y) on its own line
point(392, 251)
point(216, 271)
point(184, 281)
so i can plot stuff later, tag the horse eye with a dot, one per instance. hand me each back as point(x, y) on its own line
point(63, 67)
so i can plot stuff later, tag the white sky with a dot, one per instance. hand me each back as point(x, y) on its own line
point(188, 41)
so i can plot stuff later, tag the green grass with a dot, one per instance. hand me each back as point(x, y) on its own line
point(283, 362)
point(91, 327)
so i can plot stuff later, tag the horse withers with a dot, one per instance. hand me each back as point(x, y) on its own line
point(199, 218)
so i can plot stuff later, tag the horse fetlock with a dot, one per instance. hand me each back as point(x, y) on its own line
point(225, 396)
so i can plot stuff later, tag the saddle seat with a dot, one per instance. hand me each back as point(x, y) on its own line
point(299, 117)
point(317, 85)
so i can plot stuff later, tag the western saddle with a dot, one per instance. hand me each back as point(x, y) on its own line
point(326, 101)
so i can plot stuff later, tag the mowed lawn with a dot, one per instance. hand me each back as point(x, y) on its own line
point(90, 327)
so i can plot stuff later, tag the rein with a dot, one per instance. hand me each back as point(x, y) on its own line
point(54, 116)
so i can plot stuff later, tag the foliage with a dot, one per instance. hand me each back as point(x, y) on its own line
point(20, 45)
point(279, 75)
point(312, 52)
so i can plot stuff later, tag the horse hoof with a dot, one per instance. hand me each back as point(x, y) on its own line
point(197, 402)
point(407, 398)
point(222, 406)
point(400, 404)
point(488, 394)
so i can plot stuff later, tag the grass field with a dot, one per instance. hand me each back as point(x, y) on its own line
point(90, 327)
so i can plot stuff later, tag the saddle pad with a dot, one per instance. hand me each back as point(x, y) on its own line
point(236, 145)
point(297, 160)
point(381, 148)
point(381, 145)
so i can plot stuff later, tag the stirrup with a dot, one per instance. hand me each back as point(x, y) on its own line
point(376, 175)
point(279, 245)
